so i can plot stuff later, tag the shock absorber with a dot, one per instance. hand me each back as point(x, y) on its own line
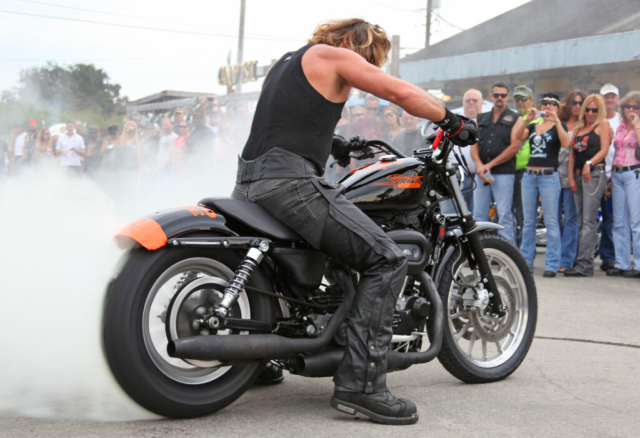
point(243, 273)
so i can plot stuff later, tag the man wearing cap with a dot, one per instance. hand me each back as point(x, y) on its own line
point(611, 96)
point(523, 100)
point(178, 116)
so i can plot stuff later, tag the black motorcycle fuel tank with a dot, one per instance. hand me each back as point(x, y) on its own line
point(389, 184)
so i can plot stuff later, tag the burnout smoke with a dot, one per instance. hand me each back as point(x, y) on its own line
point(58, 256)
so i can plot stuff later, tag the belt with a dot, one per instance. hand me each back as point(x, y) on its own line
point(547, 171)
point(625, 168)
point(277, 163)
point(600, 166)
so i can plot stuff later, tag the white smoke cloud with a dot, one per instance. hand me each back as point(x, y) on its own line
point(56, 259)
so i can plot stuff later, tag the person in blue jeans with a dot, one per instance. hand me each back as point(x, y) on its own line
point(494, 157)
point(541, 180)
point(570, 110)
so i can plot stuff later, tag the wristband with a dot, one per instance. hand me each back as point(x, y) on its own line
point(448, 121)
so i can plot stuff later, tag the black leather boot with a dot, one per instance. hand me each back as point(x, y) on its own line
point(379, 407)
point(270, 375)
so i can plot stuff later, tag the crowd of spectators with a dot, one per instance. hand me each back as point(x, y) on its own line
point(143, 149)
point(576, 158)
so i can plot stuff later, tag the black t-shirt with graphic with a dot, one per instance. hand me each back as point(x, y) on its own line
point(545, 147)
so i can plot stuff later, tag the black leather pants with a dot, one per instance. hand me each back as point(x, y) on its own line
point(319, 212)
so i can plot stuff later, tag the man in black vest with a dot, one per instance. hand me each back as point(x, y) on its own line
point(281, 167)
point(495, 161)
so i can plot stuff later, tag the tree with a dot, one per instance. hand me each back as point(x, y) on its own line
point(78, 87)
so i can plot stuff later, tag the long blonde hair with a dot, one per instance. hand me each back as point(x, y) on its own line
point(41, 144)
point(602, 112)
point(631, 96)
point(367, 40)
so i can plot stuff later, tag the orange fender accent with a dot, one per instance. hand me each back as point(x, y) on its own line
point(145, 231)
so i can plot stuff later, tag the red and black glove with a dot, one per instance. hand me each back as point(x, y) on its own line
point(461, 130)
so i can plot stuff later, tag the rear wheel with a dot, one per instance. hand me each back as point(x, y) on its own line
point(158, 295)
point(478, 347)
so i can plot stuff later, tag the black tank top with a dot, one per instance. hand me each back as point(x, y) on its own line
point(585, 147)
point(292, 115)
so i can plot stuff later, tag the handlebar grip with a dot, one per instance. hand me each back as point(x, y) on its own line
point(463, 135)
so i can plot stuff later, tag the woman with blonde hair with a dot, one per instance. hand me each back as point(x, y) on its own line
point(625, 175)
point(44, 145)
point(391, 125)
point(587, 177)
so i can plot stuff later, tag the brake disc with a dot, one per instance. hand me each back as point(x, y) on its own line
point(489, 327)
point(459, 323)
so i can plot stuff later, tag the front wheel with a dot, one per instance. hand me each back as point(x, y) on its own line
point(155, 297)
point(478, 347)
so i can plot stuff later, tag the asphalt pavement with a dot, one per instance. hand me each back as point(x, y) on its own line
point(580, 379)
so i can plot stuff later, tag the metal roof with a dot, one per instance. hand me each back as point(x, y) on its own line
point(578, 52)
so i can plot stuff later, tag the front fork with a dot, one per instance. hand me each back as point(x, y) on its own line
point(475, 251)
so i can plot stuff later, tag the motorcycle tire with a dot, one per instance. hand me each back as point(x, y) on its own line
point(460, 355)
point(166, 386)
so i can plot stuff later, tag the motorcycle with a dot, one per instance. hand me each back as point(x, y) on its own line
point(206, 295)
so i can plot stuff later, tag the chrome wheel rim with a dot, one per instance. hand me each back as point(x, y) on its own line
point(154, 330)
point(472, 341)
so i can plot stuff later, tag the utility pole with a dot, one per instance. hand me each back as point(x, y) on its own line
point(428, 35)
point(243, 4)
point(395, 56)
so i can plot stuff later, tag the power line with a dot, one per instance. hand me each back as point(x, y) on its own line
point(115, 14)
point(78, 20)
point(449, 23)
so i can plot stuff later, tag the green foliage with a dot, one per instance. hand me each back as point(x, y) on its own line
point(54, 94)
point(74, 88)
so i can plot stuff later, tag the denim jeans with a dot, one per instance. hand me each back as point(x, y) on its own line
point(607, 250)
point(626, 218)
point(547, 187)
point(569, 228)
point(468, 197)
point(587, 202)
point(502, 191)
point(518, 213)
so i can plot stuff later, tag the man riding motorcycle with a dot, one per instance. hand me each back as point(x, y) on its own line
point(281, 168)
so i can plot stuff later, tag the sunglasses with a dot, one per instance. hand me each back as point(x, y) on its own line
point(357, 115)
point(373, 109)
point(520, 98)
point(549, 102)
point(471, 100)
point(183, 126)
point(388, 115)
point(633, 107)
point(591, 110)
point(576, 103)
point(500, 95)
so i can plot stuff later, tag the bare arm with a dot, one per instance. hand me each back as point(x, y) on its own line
point(605, 142)
point(572, 181)
point(352, 70)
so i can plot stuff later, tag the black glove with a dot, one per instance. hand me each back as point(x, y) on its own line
point(340, 150)
point(461, 130)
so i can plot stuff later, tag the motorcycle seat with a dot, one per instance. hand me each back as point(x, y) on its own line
point(251, 215)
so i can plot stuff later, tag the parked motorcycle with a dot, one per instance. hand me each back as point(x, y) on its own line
point(207, 295)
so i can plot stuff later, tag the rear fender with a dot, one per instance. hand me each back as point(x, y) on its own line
point(153, 231)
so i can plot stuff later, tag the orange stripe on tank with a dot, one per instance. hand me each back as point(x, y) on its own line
point(145, 231)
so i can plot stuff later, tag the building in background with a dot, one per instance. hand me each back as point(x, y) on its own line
point(548, 45)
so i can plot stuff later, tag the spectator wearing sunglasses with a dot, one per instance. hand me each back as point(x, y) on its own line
point(495, 155)
point(540, 180)
point(570, 110)
point(370, 125)
point(523, 101)
point(587, 177)
point(391, 125)
point(626, 188)
point(611, 96)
